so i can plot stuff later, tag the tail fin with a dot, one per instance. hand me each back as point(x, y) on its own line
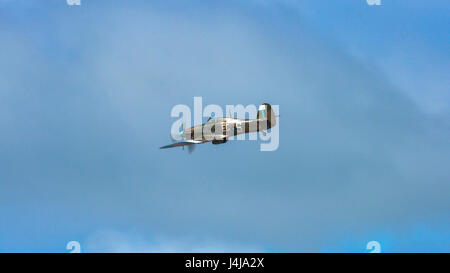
point(266, 117)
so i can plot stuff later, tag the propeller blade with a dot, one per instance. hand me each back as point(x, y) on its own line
point(191, 148)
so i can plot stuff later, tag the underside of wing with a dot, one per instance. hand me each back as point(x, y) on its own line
point(182, 143)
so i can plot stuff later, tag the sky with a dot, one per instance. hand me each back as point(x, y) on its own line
point(85, 99)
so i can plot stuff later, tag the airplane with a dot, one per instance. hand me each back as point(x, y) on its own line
point(218, 130)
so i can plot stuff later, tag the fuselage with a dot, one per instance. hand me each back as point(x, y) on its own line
point(219, 129)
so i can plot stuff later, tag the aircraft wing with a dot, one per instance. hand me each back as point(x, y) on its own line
point(182, 143)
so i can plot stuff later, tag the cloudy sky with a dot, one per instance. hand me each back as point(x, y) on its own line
point(85, 99)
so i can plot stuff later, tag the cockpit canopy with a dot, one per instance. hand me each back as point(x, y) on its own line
point(213, 120)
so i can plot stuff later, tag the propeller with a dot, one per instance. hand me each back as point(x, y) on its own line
point(180, 133)
point(182, 129)
point(191, 148)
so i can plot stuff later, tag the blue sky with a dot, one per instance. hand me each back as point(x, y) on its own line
point(85, 99)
